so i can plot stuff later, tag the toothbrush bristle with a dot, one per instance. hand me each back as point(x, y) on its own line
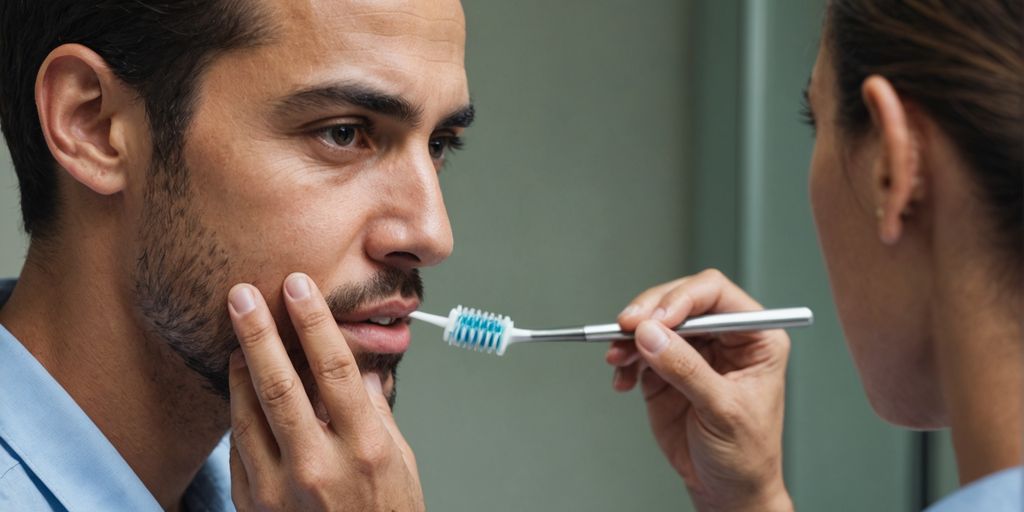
point(479, 330)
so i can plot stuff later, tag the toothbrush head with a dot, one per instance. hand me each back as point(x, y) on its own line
point(478, 330)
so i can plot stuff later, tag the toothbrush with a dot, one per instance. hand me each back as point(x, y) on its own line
point(479, 330)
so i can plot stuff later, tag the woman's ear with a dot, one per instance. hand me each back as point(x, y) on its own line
point(79, 99)
point(897, 181)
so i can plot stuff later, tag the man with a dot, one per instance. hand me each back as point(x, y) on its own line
point(167, 151)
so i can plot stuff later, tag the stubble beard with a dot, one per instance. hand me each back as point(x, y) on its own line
point(181, 279)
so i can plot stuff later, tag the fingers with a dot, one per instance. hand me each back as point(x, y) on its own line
point(625, 357)
point(665, 406)
point(677, 303)
point(250, 434)
point(240, 495)
point(277, 385)
point(625, 377)
point(622, 353)
point(707, 292)
point(331, 360)
point(672, 303)
point(374, 389)
point(679, 364)
point(283, 457)
point(645, 306)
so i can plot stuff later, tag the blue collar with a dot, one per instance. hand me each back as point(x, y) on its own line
point(55, 439)
point(57, 442)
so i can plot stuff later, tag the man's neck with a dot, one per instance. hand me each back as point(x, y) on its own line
point(76, 318)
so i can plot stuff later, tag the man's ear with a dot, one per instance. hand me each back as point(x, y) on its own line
point(897, 180)
point(79, 101)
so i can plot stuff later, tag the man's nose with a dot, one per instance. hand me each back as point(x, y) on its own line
point(413, 230)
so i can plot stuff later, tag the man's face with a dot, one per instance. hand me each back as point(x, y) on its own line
point(316, 152)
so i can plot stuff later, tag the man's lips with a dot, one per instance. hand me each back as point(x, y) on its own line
point(363, 327)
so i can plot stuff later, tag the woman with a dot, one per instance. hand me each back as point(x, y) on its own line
point(916, 187)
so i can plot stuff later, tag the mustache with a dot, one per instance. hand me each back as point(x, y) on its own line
point(382, 285)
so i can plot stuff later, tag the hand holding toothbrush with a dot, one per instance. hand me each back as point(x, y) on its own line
point(715, 403)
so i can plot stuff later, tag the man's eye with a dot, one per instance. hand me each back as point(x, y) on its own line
point(439, 146)
point(343, 135)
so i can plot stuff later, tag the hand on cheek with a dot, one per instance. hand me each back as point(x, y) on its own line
point(285, 458)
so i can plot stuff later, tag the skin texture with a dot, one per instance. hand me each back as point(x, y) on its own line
point(931, 321)
point(261, 192)
point(714, 404)
point(283, 457)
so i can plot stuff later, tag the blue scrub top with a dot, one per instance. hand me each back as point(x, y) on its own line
point(998, 492)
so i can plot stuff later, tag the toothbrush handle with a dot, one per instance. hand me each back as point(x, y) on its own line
point(724, 322)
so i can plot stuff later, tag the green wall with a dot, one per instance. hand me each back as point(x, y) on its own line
point(570, 198)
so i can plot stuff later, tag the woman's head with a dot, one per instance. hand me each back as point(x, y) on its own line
point(920, 109)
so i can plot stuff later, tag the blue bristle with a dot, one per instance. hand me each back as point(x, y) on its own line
point(478, 329)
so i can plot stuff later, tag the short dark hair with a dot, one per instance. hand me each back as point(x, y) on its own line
point(159, 48)
point(962, 62)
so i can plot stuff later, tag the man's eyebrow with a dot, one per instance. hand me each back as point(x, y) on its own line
point(333, 95)
point(461, 118)
point(807, 91)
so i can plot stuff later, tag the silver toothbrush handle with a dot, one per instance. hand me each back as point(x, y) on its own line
point(723, 322)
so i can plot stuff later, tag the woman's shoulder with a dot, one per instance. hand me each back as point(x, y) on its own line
point(1003, 490)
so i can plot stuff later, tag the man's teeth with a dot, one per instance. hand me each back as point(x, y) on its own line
point(382, 320)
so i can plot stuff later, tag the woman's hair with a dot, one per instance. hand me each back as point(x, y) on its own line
point(961, 61)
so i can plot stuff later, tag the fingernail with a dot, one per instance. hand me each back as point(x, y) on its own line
point(297, 286)
point(634, 357)
point(237, 359)
point(615, 379)
point(242, 300)
point(659, 314)
point(372, 382)
point(630, 310)
point(651, 337)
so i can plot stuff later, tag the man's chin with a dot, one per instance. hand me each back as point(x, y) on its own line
point(384, 365)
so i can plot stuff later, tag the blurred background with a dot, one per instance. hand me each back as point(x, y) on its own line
point(619, 145)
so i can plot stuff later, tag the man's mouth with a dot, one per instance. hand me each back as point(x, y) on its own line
point(386, 321)
point(382, 328)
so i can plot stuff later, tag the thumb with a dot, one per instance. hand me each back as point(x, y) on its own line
point(676, 361)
